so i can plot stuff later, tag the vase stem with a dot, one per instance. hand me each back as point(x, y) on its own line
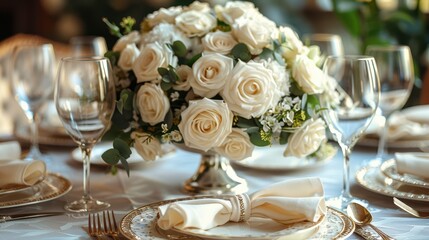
point(215, 175)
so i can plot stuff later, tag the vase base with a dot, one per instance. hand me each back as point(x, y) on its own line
point(215, 175)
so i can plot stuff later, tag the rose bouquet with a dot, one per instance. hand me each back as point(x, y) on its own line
point(223, 79)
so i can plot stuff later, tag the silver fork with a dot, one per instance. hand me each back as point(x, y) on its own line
point(110, 226)
point(94, 226)
point(407, 208)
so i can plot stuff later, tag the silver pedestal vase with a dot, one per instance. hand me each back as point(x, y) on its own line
point(214, 175)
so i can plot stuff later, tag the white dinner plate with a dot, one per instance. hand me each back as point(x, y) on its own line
point(374, 180)
point(101, 147)
point(271, 158)
point(389, 169)
point(141, 223)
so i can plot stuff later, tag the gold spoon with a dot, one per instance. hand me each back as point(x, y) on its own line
point(361, 216)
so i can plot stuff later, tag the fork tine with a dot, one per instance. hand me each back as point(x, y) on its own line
point(99, 228)
point(90, 230)
point(110, 222)
point(114, 222)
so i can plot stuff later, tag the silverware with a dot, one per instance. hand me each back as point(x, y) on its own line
point(361, 216)
point(12, 217)
point(110, 226)
point(407, 208)
point(94, 226)
point(107, 227)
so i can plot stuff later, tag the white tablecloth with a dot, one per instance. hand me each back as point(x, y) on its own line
point(163, 179)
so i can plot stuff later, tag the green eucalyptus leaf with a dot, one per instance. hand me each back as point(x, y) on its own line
point(173, 75)
point(120, 105)
point(166, 85)
point(266, 54)
point(111, 156)
point(179, 49)
point(113, 57)
point(125, 166)
point(122, 147)
point(245, 123)
point(193, 60)
point(256, 139)
point(252, 130)
point(162, 71)
point(241, 51)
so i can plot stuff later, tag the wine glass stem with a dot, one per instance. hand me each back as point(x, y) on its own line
point(86, 156)
point(34, 149)
point(346, 171)
point(382, 145)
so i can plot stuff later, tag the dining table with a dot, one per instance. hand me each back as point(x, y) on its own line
point(162, 179)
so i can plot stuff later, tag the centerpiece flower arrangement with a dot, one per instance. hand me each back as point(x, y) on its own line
point(222, 79)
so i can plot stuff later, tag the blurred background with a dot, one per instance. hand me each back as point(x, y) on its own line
point(359, 23)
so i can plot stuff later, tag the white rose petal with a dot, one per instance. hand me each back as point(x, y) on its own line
point(130, 38)
point(128, 56)
point(165, 33)
point(210, 72)
point(237, 145)
point(152, 103)
point(151, 57)
point(252, 33)
point(205, 124)
point(184, 72)
point(198, 6)
point(146, 145)
point(293, 44)
point(307, 139)
point(308, 76)
point(251, 90)
point(163, 15)
point(280, 75)
point(194, 23)
point(234, 10)
point(219, 42)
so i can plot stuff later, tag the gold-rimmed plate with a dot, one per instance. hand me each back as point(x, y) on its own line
point(14, 188)
point(389, 169)
point(141, 223)
point(371, 178)
point(52, 187)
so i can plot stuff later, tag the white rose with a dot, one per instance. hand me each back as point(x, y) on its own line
point(130, 38)
point(163, 15)
point(330, 94)
point(251, 90)
point(195, 24)
point(252, 33)
point(151, 57)
point(165, 33)
point(205, 124)
point(219, 42)
point(308, 76)
point(292, 46)
point(234, 10)
point(210, 72)
point(184, 72)
point(128, 56)
point(198, 6)
point(237, 145)
point(147, 146)
point(307, 139)
point(280, 75)
point(152, 103)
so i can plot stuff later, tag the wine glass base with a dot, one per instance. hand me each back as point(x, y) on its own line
point(341, 202)
point(86, 205)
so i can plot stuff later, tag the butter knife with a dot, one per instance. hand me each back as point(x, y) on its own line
point(12, 217)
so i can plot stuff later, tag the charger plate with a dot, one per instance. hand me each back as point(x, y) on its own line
point(374, 180)
point(52, 187)
point(141, 223)
point(389, 169)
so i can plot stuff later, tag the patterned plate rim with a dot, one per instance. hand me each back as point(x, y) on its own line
point(388, 168)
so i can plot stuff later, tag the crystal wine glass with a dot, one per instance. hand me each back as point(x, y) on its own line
point(85, 46)
point(32, 81)
point(85, 101)
point(396, 73)
point(329, 44)
point(358, 90)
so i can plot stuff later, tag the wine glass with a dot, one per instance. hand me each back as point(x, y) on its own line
point(329, 44)
point(358, 90)
point(85, 101)
point(396, 73)
point(85, 46)
point(32, 82)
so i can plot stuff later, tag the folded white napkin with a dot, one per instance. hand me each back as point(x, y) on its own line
point(285, 202)
point(14, 171)
point(415, 163)
point(403, 128)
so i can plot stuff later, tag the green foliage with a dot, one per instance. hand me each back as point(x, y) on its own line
point(125, 101)
point(127, 24)
point(257, 139)
point(241, 51)
point(179, 48)
point(112, 56)
point(283, 137)
point(120, 152)
point(223, 26)
point(169, 77)
point(113, 28)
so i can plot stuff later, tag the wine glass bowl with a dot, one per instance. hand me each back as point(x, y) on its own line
point(358, 91)
point(396, 73)
point(32, 82)
point(85, 102)
point(86, 46)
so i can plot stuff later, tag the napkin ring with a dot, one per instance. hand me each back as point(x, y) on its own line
point(241, 208)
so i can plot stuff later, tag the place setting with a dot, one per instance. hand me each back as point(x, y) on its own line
point(27, 182)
